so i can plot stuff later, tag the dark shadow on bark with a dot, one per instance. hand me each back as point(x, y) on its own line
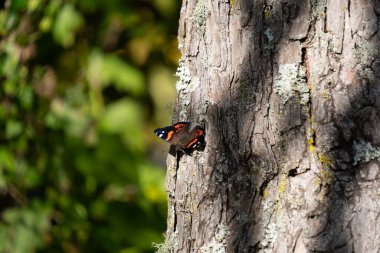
point(251, 160)
point(254, 157)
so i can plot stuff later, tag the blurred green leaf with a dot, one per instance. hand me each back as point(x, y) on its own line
point(6, 158)
point(150, 178)
point(13, 128)
point(129, 250)
point(26, 96)
point(11, 62)
point(3, 21)
point(3, 238)
point(18, 5)
point(34, 4)
point(120, 116)
point(124, 117)
point(68, 22)
point(104, 70)
point(28, 226)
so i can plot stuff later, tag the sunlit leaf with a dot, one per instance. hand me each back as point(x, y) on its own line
point(13, 128)
point(121, 116)
point(34, 4)
point(26, 96)
point(150, 178)
point(6, 158)
point(68, 22)
point(104, 70)
point(124, 117)
point(45, 24)
point(11, 62)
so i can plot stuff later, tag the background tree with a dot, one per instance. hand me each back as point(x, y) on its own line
point(82, 86)
point(289, 94)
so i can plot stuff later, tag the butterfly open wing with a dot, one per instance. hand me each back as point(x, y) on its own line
point(180, 126)
point(165, 133)
point(198, 140)
point(182, 135)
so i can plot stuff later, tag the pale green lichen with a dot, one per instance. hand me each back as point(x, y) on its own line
point(324, 39)
point(270, 37)
point(296, 201)
point(291, 80)
point(365, 152)
point(202, 111)
point(268, 207)
point(183, 86)
point(271, 222)
point(200, 15)
point(185, 103)
point(167, 246)
point(365, 53)
point(367, 73)
point(184, 76)
point(218, 243)
point(270, 235)
point(319, 8)
point(269, 34)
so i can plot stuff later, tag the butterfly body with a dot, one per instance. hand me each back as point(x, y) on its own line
point(184, 135)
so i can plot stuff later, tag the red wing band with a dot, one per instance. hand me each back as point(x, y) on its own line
point(179, 126)
point(170, 135)
point(192, 143)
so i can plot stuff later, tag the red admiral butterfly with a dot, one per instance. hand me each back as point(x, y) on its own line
point(184, 135)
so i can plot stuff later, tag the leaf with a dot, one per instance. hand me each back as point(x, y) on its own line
point(26, 96)
point(68, 22)
point(104, 70)
point(13, 128)
point(124, 117)
point(18, 5)
point(151, 179)
point(121, 116)
point(6, 159)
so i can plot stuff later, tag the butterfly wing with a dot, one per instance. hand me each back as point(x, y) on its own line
point(165, 133)
point(182, 135)
point(198, 138)
point(180, 126)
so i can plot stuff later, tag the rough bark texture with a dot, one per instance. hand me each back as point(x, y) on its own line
point(289, 94)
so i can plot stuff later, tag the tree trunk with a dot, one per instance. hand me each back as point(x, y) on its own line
point(289, 94)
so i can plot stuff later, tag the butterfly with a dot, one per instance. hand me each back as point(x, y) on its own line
point(184, 135)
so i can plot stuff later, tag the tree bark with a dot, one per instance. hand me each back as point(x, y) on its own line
point(289, 94)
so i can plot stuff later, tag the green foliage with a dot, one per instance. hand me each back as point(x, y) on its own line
point(67, 23)
point(77, 90)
